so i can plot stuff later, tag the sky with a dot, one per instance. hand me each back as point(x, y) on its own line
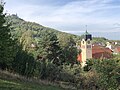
point(102, 17)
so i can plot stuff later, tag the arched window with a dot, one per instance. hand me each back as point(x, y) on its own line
point(88, 42)
point(83, 42)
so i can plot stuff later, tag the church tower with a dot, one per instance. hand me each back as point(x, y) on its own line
point(86, 48)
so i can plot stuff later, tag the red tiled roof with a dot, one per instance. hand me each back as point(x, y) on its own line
point(98, 52)
point(101, 52)
point(96, 49)
point(118, 48)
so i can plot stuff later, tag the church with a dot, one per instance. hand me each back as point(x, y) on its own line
point(89, 50)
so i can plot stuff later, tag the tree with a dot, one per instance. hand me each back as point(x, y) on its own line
point(69, 50)
point(49, 47)
point(7, 44)
point(108, 73)
point(24, 63)
point(26, 40)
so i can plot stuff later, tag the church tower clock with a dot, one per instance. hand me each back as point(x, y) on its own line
point(86, 48)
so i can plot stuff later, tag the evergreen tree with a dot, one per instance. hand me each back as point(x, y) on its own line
point(49, 47)
point(24, 63)
point(6, 42)
point(69, 50)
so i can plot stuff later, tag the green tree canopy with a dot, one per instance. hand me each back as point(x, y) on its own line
point(7, 44)
point(69, 49)
point(49, 48)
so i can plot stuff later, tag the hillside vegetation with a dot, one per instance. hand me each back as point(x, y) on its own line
point(38, 53)
point(19, 26)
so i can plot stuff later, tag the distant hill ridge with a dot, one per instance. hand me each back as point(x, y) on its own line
point(19, 26)
point(17, 22)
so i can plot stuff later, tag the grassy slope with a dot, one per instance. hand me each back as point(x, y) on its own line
point(19, 85)
point(9, 81)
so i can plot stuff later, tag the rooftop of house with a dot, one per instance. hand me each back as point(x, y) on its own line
point(96, 48)
point(117, 50)
point(101, 52)
point(98, 52)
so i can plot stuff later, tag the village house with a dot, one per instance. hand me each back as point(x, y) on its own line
point(117, 50)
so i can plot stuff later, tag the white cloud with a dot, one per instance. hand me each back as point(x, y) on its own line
point(97, 14)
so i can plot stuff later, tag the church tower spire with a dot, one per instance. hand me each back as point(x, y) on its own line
point(86, 47)
point(86, 27)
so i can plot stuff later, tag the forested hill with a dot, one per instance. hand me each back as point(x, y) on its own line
point(20, 26)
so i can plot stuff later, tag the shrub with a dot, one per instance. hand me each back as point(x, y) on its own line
point(46, 70)
point(24, 64)
point(70, 73)
point(107, 71)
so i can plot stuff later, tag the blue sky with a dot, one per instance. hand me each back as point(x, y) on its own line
point(71, 15)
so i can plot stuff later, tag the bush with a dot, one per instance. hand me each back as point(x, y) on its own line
point(87, 81)
point(107, 71)
point(46, 70)
point(24, 63)
point(70, 73)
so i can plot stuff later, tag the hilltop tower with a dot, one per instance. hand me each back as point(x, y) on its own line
point(86, 48)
